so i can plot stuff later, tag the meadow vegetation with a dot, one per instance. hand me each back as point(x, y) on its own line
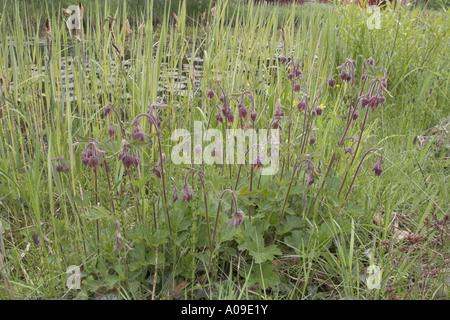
point(87, 177)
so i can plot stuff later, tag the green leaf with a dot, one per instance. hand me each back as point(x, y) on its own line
point(98, 212)
point(354, 208)
point(298, 189)
point(333, 183)
point(289, 223)
point(264, 276)
point(258, 251)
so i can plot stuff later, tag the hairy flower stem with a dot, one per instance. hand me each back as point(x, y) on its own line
point(162, 164)
point(296, 166)
point(96, 204)
point(217, 218)
point(354, 155)
point(357, 169)
point(135, 193)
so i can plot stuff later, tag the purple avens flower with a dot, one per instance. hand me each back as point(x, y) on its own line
point(93, 161)
point(175, 194)
point(156, 172)
point(242, 111)
point(188, 193)
point(297, 87)
point(210, 94)
point(108, 110)
point(230, 116)
point(355, 116)
point(377, 167)
point(364, 101)
point(111, 131)
point(309, 179)
point(279, 110)
point(138, 134)
point(236, 219)
point(370, 61)
point(219, 117)
point(301, 105)
point(258, 162)
point(332, 83)
point(319, 111)
point(253, 116)
point(127, 161)
point(282, 59)
point(59, 168)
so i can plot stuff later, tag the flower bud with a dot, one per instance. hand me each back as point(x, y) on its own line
point(282, 59)
point(297, 87)
point(310, 179)
point(332, 83)
point(301, 105)
point(210, 94)
point(93, 161)
point(59, 168)
point(253, 115)
point(377, 168)
point(370, 61)
point(242, 111)
point(312, 141)
point(127, 161)
point(319, 111)
point(111, 131)
point(219, 117)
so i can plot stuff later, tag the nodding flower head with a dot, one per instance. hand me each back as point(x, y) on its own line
point(210, 94)
point(373, 102)
point(108, 110)
point(62, 165)
point(236, 219)
point(156, 172)
point(364, 101)
point(282, 59)
point(175, 194)
point(279, 110)
point(297, 87)
point(230, 116)
point(138, 134)
point(258, 162)
point(370, 61)
point(319, 111)
point(128, 161)
point(301, 105)
point(253, 116)
point(332, 83)
point(111, 131)
point(377, 167)
point(219, 117)
point(312, 140)
point(222, 98)
point(355, 116)
point(188, 194)
point(242, 111)
point(93, 161)
point(309, 179)
point(275, 125)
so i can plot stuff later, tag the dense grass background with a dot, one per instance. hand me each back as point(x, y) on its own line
point(49, 220)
